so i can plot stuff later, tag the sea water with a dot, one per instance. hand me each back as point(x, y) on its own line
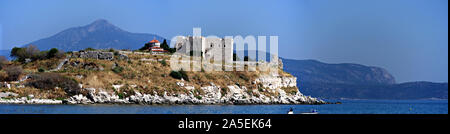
point(347, 107)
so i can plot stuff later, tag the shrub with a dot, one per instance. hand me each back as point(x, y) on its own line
point(13, 73)
point(179, 74)
point(41, 56)
point(41, 69)
point(171, 50)
point(55, 53)
point(3, 76)
point(184, 75)
point(33, 53)
point(49, 81)
point(224, 91)
point(121, 95)
point(117, 69)
point(28, 52)
point(163, 62)
point(3, 61)
point(290, 90)
point(260, 88)
point(242, 76)
point(176, 75)
point(89, 49)
point(52, 53)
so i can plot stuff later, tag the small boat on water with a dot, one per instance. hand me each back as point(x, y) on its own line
point(291, 111)
point(311, 112)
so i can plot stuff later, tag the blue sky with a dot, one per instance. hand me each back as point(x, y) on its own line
point(407, 37)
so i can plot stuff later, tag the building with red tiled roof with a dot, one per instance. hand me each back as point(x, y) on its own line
point(154, 41)
point(156, 47)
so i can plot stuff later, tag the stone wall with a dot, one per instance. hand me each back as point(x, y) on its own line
point(94, 55)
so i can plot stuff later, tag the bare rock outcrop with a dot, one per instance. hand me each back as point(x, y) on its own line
point(213, 94)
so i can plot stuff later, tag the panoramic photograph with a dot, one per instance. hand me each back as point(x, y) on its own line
point(222, 57)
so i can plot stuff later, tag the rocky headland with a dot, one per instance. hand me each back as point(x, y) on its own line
point(213, 95)
point(126, 77)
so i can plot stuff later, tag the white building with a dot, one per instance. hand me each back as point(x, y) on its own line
point(156, 47)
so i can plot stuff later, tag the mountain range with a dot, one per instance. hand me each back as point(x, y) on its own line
point(355, 81)
point(100, 34)
point(343, 73)
point(315, 78)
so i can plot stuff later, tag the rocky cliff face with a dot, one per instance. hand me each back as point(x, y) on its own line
point(213, 95)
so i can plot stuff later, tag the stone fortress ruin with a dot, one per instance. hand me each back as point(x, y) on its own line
point(219, 54)
point(208, 48)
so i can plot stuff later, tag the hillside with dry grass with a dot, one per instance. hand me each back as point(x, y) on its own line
point(139, 72)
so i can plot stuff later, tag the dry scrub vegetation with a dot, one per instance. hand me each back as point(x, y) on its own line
point(146, 76)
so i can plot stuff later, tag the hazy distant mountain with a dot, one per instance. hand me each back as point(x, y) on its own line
point(354, 81)
point(405, 91)
point(100, 35)
point(345, 73)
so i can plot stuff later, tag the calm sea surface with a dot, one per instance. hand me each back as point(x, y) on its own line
point(347, 107)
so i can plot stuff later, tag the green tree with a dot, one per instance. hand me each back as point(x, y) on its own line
point(28, 52)
point(146, 46)
point(15, 51)
point(52, 53)
point(166, 47)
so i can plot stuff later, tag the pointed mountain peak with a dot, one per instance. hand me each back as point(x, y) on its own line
point(101, 24)
point(100, 21)
point(98, 34)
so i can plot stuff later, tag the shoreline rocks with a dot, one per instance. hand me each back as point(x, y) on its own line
point(25, 100)
point(182, 99)
point(213, 95)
